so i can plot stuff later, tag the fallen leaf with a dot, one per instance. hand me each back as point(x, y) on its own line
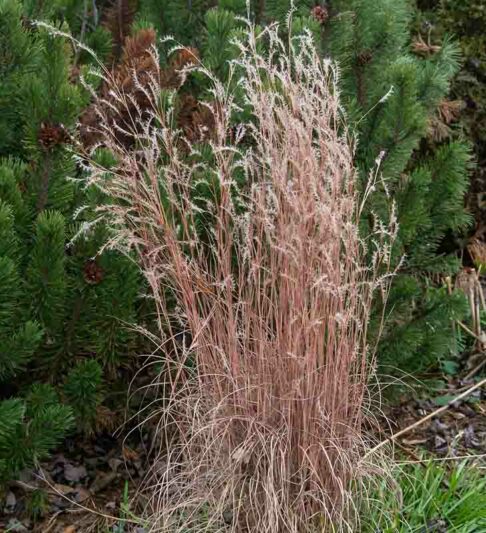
point(102, 481)
point(129, 454)
point(74, 473)
point(82, 494)
point(15, 525)
point(440, 443)
point(443, 400)
point(10, 503)
point(114, 463)
point(457, 415)
point(58, 488)
point(420, 47)
point(438, 426)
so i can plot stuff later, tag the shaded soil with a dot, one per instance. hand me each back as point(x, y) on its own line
point(86, 487)
point(459, 431)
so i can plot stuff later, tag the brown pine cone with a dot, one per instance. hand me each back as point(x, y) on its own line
point(51, 135)
point(320, 13)
point(365, 57)
point(93, 273)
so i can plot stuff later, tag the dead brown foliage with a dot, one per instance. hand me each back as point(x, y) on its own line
point(124, 96)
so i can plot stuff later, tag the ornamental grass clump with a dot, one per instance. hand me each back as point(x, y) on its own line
point(249, 241)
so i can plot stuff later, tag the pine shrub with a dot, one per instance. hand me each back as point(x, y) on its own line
point(65, 310)
point(465, 21)
point(392, 95)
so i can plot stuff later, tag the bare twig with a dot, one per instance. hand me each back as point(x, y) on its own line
point(467, 330)
point(476, 369)
point(425, 418)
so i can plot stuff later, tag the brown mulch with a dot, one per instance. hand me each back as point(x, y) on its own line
point(84, 489)
point(459, 431)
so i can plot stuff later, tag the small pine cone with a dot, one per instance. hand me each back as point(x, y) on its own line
point(93, 273)
point(320, 13)
point(51, 135)
point(365, 57)
point(106, 419)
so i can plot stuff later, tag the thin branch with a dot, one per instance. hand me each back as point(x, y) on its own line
point(425, 418)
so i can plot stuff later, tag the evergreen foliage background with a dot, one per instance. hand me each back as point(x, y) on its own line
point(465, 21)
point(373, 43)
point(64, 343)
point(64, 313)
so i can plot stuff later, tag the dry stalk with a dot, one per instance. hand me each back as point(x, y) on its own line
point(263, 288)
